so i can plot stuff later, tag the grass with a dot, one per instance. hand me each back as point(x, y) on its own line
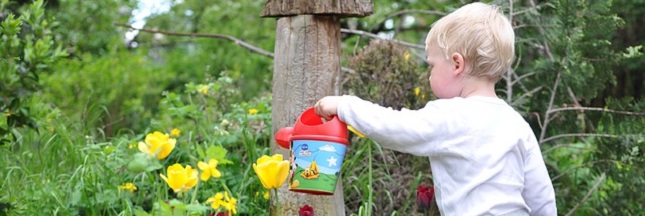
point(72, 167)
point(382, 182)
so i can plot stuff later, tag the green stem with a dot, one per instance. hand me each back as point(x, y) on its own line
point(192, 200)
point(369, 170)
point(277, 202)
point(225, 187)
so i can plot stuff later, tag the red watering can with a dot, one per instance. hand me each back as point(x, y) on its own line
point(317, 150)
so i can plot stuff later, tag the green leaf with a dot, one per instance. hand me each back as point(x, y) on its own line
point(200, 151)
point(140, 212)
point(153, 165)
point(139, 163)
point(163, 208)
point(218, 153)
point(191, 208)
point(75, 197)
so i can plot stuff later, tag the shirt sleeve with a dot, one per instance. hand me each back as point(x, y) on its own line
point(538, 189)
point(408, 131)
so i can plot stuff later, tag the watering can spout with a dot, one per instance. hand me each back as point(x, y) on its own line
point(283, 137)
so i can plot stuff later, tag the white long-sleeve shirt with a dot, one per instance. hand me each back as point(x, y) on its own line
point(484, 157)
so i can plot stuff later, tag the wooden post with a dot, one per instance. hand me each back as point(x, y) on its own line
point(306, 68)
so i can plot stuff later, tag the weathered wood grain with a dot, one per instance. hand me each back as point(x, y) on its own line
point(341, 8)
point(306, 68)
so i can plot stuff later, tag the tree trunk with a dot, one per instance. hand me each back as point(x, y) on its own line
point(306, 68)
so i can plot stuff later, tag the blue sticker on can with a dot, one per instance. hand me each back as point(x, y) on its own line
point(315, 165)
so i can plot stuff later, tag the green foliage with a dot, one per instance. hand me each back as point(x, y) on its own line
point(88, 26)
point(109, 93)
point(194, 58)
point(386, 74)
point(96, 105)
point(26, 50)
point(622, 195)
point(70, 173)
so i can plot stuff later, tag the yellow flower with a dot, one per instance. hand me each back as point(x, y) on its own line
point(180, 179)
point(406, 56)
point(265, 194)
point(253, 111)
point(223, 200)
point(157, 144)
point(272, 171)
point(201, 88)
point(132, 145)
point(175, 132)
point(128, 186)
point(229, 204)
point(209, 169)
point(353, 130)
point(417, 90)
point(216, 200)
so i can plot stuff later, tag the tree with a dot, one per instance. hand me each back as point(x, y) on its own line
point(27, 49)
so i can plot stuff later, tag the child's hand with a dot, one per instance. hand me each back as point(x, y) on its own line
point(326, 107)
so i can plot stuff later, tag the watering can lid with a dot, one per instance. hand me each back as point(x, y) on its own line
point(309, 123)
point(311, 126)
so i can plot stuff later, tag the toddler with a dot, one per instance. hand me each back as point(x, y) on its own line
point(484, 157)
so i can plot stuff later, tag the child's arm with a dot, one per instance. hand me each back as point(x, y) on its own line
point(538, 189)
point(408, 131)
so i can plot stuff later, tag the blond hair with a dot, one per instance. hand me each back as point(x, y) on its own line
point(480, 33)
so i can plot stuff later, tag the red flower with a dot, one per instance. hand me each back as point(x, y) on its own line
point(306, 210)
point(424, 197)
point(221, 214)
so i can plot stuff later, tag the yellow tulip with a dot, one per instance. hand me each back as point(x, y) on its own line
point(272, 170)
point(209, 169)
point(157, 144)
point(180, 179)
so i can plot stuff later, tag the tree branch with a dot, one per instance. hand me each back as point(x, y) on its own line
point(401, 12)
point(527, 94)
point(573, 145)
point(596, 109)
point(580, 166)
point(546, 116)
point(584, 199)
point(510, 71)
point(578, 135)
point(522, 77)
point(369, 34)
point(219, 36)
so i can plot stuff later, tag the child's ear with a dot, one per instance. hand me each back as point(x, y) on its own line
point(458, 63)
